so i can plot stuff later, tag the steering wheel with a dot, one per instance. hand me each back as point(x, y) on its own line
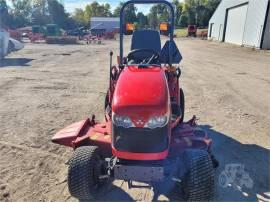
point(148, 60)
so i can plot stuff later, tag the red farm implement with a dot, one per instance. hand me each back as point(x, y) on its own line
point(144, 137)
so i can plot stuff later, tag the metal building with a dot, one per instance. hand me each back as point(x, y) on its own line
point(105, 24)
point(242, 22)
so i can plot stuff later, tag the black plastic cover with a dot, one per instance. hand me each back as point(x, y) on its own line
point(176, 56)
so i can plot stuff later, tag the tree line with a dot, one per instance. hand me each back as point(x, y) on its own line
point(196, 12)
point(41, 12)
point(36, 12)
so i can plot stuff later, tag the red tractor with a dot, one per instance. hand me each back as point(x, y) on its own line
point(143, 137)
point(192, 30)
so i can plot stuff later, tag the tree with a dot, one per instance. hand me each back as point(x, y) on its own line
point(58, 14)
point(97, 10)
point(142, 20)
point(40, 12)
point(79, 17)
point(5, 18)
point(183, 20)
point(56, 11)
point(130, 13)
point(21, 12)
point(178, 11)
point(116, 12)
point(162, 12)
point(212, 5)
point(153, 19)
point(107, 10)
point(199, 12)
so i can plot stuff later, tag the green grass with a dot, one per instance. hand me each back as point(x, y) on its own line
point(183, 32)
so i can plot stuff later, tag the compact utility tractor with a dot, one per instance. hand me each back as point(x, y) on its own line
point(143, 137)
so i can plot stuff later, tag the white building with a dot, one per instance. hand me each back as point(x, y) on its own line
point(242, 22)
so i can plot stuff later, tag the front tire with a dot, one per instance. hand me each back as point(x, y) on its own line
point(198, 183)
point(83, 174)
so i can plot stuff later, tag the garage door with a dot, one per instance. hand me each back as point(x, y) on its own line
point(236, 20)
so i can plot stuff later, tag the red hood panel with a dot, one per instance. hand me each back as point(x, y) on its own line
point(141, 91)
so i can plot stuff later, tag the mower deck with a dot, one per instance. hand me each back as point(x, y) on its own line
point(89, 132)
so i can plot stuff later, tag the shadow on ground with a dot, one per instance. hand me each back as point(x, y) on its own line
point(111, 193)
point(256, 162)
point(15, 62)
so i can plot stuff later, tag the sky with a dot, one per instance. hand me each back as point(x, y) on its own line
point(70, 5)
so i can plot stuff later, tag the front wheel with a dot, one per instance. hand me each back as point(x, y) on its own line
point(198, 183)
point(85, 167)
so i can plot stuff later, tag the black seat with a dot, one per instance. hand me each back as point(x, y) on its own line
point(145, 39)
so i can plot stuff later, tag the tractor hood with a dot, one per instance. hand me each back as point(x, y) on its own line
point(141, 92)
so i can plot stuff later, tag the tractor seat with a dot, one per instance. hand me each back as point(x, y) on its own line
point(145, 39)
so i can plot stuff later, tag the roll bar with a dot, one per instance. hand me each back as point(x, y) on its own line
point(170, 6)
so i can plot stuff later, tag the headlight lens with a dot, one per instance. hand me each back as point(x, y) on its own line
point(157, 122)
point(123, 121)
point(153, 122)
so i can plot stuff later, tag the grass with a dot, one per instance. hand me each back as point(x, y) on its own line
point(183, 32)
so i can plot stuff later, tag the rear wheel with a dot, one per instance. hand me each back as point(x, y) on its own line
point(198, 183)
point(182, 104)
point(85, 167)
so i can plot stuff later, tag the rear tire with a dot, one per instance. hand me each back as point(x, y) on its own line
point(83, 173)
point(198, 183)
point(182, 105)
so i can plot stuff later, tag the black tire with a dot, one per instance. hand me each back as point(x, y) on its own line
point(198, 183)
point(182, 105)
point(83, 173)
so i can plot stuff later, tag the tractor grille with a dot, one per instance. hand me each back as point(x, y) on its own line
point(140, 140)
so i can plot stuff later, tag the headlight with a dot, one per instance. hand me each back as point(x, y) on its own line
point(123, 121)
point(157, 121)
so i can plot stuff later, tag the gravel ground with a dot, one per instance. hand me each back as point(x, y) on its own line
point(43, 88)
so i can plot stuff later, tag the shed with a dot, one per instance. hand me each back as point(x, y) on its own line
point(242, 22)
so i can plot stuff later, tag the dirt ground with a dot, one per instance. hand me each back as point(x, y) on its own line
point(44, 88)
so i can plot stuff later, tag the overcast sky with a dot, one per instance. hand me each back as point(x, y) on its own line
point(70, 5)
